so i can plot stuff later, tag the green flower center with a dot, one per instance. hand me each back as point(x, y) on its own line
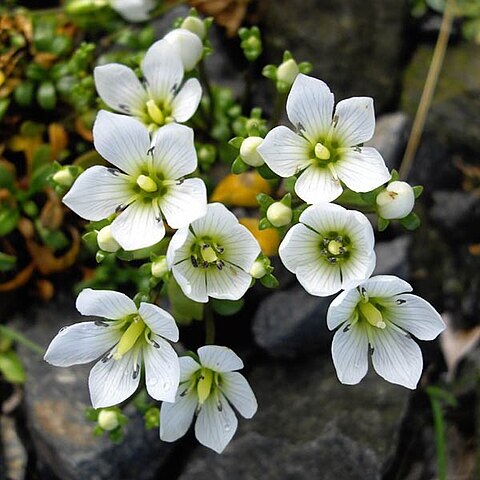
point(335, 248)
point(157, 114)
point(371, 313)
point(206, 253)
point(325, 152)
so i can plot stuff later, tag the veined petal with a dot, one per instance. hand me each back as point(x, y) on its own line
point(230, 283)
point(159, 321)
point(191, 280)
point(113, 381)
point(396, 357)
point(415, 315)
point(80, 343)
point(174, 154)
point(285, 152)
point(184, 203)
point(310, 107)
point(358, 268)
point(188, 366)
point(342, 308)
point(219, 359)
point(386, 286)
point(186, 102)
point(139, 226)
point(217, 221)
point(98, 192)
point(176, 418)
point(301, 246)
point(241, 247)
point(362, 169)
point(360, 231)
point(239, 393)
point(188, 47)
point(179, 246)
point(105, 304)
point(317, 185)
point(350, 353)
point(320, 278)
point(163, 71)
point(216, 423)
point(122, 140)
point(325, 217)
point(354, 121)
point(120, 89)
point(162, 370)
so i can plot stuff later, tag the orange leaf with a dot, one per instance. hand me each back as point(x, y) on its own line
point(52, 213)
point(268, 238)
point(19, 280)
point(58, 139)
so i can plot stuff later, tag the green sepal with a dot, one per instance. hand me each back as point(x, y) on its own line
point(269, 281)
point(287, 200)
point(270, 71)
point(92, 414)
point(236, 142)
point(263, 224)
point(395, 176)
point(289, 184)
point(417, 190)
point(264, 200)
point(305, 67)
point(239, 166)
point(227, 307)
point(265, 172)
point(411, 221)
point(382, 224)
point(152, 418)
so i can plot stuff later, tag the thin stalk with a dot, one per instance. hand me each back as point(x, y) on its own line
point(278, 108)
point(209, 325)
point(20, 338)
point(439, 425)
point(429, 89)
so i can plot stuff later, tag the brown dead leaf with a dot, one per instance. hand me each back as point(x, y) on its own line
point(474, 249)
point(19, 280)
point(52, 213)
point(45, 289)
point(45, 59)
point(58, 139)
point(83, 130)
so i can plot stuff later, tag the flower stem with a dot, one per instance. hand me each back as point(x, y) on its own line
point(280, 101)
point(20, 338)
point(209, 325)
point(429, 89)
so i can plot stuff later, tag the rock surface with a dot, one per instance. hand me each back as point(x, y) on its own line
point(309, 426)
point(55, 403)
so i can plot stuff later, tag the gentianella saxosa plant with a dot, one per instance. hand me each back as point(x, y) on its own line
point(147, 201)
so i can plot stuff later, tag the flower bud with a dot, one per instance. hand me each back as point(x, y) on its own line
point(279, 214)
point(159, 267)
point(194, 25)
point(258, 269)
point(188, 45)
point(105, 240)
point(63, 177)
point(287, 72)
point(396, 201)
point(108, 420)
point(248, 151)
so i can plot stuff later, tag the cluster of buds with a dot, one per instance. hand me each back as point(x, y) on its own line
point(285, 74)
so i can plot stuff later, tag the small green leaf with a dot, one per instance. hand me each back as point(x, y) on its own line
point(239, 166)
point(417, 190)
point(236, 142)
point(8, 220)
point(227, 307)
point(382, 224)
point(264, 200)
point(11, 367)
point(270, 71)
point(266, 172)
point(411, 221)
point(263, 224)
point(269, 281)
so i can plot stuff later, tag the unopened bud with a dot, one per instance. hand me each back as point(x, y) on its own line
point(105, 240)
point(279, 214)
point(188, 46)
point(108, 420)
point(63, 177)
point(287, 72)
point(396, 201)
point(248, 151)
point(159, 267)
point(258, 269)
point(195, 25)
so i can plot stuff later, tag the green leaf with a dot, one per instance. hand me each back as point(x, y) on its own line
point(7, 262)
point(183, 309)
point(382, 224)
point(411, 221)
point(269, 281)
point(227, 307)
point(289, 184)
point(11, 367)
point(264, 200)
point(6, 177)
point(8, 220)
point(263, 224)
point(236, 142)
point(395, 176)
point(266, 173)
point(239, 166)
point(417, 190)
point(270, 71)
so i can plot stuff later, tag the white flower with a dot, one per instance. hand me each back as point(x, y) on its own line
point(208, 388)
point(287, 71)
point(325, 149)
point(125, 337)
point(188, 47)
point(396, 201)
point(279, 214)
point(331, 249)
point(248, 151)
point(152, 184)
point(195, 25)
point(133, 10)
point(161, 99)
point(213, 257)
point(378, 316)
point(105, 240)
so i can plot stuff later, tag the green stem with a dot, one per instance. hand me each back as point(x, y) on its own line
point(278, 108)
point(209, 325)
point(439, 426)
point(20, 338)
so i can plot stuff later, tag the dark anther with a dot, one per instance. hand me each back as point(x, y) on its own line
point(363, 291)
point(62, 329)
point(335, 121)
point(180, 181)
point(205, 264)
point(106, 357)
point(155, 344)
point(219, 406)
point(400, 301)
point(347, 328)
point(136, 371)
point(220, 249)
point(194, 261)
point(150, 151)
point(371, 350)
point(101, 323)
point(300, 127)
point(124, 107)
point(145, 82)
point(324, 252)
point(184, 392)
point(220, 265)
point(339, 239)
point(341, 250)
point(205, 245)
point(357, 149)
point(332, 260)
point(113, 171)
point(120, 208)
point(326, 241)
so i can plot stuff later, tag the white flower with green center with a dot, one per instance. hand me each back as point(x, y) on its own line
point(208, 388)
point(150, 185)
point(161, 99)
point(124, 338)
point(376, 319)
point(213, 256)
point(133, 10)
point(330, 249)
point(325, 151)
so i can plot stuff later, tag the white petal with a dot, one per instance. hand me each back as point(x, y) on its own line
point(416, 316)
point(239, 393)
point(98, 192)
point(219, 359)
point(386, 286)
point(139, 226)
point(159, 321)
point(186, 102)
point(122, 140)
point(317, 184)
point(358, 268)
point(285, 152)
point(133, 10)
point(396, 357)
point(363, 170)
point(320, 278)
point(176, 418)
point(241, 247)
point(310, 107)
point(188, 366)
point(355, 121)
point(163, 70)
point(342, 308)
point(191, 280)
point(80, 343)
point(187, 45)
point(217, 221)
point(230, 283)
point(350, 353)
point(299, 247)
point(360, 231)
point(179, 246)
point(120, 89)
point(184, 203)
point(174, 153)
point(113, 381)
point(105, 303)
point(326, 217)
point(215, 425)
point(162, 370)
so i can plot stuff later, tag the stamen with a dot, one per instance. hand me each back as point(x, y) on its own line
point(322, 152)
point(101, 323)
point(147, 184)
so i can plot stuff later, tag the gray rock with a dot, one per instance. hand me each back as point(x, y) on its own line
point(393, 258)
point(356, 47)
point(15, 462)
point(309, 426)
point(55, 403)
